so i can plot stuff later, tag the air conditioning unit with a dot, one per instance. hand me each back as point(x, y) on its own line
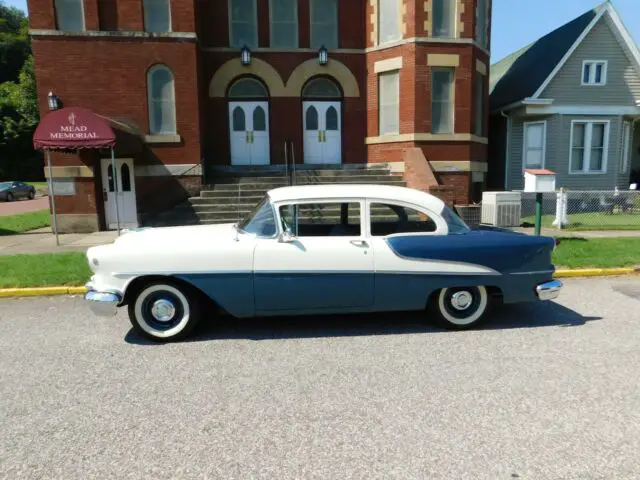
point(502, 209)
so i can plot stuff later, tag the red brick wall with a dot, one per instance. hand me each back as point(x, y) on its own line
point(109, 76)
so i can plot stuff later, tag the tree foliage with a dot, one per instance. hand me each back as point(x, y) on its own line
point(19, 112)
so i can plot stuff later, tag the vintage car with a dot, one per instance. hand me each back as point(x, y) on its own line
point(329, 249)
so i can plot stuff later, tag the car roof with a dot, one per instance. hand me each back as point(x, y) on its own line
point(334, 191)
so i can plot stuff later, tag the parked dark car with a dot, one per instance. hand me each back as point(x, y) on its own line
point(10, 191)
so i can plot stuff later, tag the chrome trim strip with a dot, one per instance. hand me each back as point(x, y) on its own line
point(539, 272)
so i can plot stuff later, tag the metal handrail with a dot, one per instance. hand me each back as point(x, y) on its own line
point(293, 164)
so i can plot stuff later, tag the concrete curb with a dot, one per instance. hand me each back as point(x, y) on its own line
point(53, 291)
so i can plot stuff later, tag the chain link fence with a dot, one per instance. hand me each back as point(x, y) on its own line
point(585, 210)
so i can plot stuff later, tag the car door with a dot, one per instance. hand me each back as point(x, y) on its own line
point(23, 189)
point(326, 265)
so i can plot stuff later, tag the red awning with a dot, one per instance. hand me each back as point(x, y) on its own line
point(71, 129)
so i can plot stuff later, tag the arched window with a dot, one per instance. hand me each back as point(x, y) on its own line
point(248, 88)
point(110, 178)
point(239, 120)
point(259, 120)
point(332, 119)
point(125, 178)
point(157, 16)
point(162, 103)
point(312, 118)
point(321, 88)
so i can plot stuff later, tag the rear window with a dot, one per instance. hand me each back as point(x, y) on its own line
point(454, 222)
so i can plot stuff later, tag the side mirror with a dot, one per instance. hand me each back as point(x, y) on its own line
point(286, 237)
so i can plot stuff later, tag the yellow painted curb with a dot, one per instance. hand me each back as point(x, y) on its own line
point(595, 272)
point(40, 292)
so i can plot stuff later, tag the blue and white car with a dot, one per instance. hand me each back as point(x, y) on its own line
point(330, 249)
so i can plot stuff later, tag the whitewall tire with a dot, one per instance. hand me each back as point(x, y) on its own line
point(460, 308)
point(163, 312)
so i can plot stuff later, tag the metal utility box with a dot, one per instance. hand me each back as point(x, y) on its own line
point(502, 209)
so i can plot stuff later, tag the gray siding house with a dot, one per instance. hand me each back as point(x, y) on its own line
point(570, 103)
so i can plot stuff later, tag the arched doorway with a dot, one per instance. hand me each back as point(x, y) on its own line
point(249, 122)
point(322, 122)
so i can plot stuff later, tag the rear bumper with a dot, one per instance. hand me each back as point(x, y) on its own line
point(549, 290)
point(102, 304)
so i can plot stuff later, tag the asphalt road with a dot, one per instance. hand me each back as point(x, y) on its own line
point(23, 206)
point(545, 391)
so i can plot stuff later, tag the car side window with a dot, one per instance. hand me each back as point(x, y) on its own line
point(332, 219)
point(390, 219)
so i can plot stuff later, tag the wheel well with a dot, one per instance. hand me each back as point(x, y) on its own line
point(139, 283)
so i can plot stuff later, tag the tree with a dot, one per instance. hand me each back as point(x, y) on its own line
point(19, 112)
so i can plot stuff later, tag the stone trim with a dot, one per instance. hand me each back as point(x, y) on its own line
point(460, 14)
point(426, 41)
point(234, 68)
point(374, 22)
point(334, 68)
point(458, 166)
point(35, 32)
point(162, 138)
point(428, 23)
point(481, 67)
point(79, 171)
point(164, 170)
point(387, 65)
point(443, 60)
point(426, 137)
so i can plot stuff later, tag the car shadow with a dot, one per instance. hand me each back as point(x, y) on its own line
point(528, 315)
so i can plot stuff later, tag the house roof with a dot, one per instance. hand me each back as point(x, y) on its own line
point(521, 74)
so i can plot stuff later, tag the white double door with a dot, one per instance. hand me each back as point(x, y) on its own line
point(322, 132)
point(119, 189)
point(249, 122)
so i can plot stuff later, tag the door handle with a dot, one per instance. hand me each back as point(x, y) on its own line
point(319, 136)
point(324, 136)
point(251, 135)
point(104, 194)
point(359, 243)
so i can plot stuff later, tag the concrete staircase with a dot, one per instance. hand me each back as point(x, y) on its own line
point(235, 193)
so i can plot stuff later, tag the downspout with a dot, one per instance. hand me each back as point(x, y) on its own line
point(507, 148)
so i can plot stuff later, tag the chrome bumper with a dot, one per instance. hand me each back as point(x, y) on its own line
point(102, 304)
point(549, 290)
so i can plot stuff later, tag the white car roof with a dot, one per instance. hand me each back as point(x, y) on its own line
point(340, 190)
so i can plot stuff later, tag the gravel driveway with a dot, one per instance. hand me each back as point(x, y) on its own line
point(23, 206)
point(546, 391)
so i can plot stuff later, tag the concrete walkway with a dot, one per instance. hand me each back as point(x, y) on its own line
point(553, 232)
point(43, 241)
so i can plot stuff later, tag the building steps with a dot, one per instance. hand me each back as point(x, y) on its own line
point(235, 193)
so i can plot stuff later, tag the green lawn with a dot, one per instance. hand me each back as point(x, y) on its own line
point(592, 221)
point(44, 270)
point(23, 222)
point(597, 253)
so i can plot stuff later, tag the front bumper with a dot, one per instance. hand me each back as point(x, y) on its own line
point(549, 290)
point(102, 304)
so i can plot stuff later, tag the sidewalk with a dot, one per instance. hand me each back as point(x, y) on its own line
point(43, 241)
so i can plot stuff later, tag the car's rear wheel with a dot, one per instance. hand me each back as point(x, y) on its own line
point(164, 312)
point(9, 197)
point(460, 308)
point(32, 195)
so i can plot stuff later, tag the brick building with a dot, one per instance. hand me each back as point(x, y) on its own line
point(404, 85)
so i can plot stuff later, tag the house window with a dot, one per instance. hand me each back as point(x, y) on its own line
point(481, 23)
point(589, 142)
point(535, 139)
point(284, 23)
point(626, 151)
point(480, 101)
point(324, 23)
point(162, 104)
point(243, 18)
point(157, 16)
point(70, 15)
point(442, 100)
point(389, 103)
point(388, 20)
point(443, 18)
point(594, 73)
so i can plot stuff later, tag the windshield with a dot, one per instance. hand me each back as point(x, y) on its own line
point(4, 185)
point(454, 222)
point(260, 221)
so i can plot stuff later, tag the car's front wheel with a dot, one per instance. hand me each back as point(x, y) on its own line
point(460, 308)
point(9, 197)
point(164, 312)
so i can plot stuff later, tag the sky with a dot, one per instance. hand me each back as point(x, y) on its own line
point(517, 23)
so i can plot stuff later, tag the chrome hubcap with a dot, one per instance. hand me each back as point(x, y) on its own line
point(163, 310)
point(461, 300)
